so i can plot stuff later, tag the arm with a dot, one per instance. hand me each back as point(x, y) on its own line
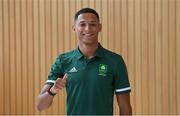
point(44, 100)
point(124, 104)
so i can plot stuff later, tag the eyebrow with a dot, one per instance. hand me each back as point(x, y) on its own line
point(90, 21)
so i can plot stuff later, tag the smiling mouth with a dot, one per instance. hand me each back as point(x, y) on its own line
point(88, 35)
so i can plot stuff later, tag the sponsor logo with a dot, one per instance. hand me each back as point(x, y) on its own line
point(73, 70)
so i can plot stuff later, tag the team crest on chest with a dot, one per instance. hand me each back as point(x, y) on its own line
point(103, 69)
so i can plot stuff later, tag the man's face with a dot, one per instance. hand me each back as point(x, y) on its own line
point(87, 28)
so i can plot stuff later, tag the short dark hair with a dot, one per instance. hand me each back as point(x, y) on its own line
point(86, 10)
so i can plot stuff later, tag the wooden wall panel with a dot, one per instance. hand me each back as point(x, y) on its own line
point(24, 45)
point(145, 32)
point(144, 53)
point(172, 57)
point(165, 67)
point(6, 55)
point(178, 54)
point(151, 56)
point(131, 46)
point(137, 60)
point(30, 57)
point(104, 21)
point(158, 56)
point(18, 58)
point(12, 57)
point(37, 46)
point(1, 59)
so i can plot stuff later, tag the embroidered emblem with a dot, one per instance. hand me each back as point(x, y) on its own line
point(102, 69)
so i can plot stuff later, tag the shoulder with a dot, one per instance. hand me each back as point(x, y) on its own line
point(112, 56)
point(66, 56)
point(114, 60)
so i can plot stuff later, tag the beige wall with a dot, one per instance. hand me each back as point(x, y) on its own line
point(145, 32)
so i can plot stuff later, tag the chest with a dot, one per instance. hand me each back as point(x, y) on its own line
point(89, 73)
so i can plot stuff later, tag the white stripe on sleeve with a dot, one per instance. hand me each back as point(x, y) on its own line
point(50, 81)
point(123, 89)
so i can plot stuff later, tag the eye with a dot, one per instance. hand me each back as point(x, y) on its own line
point(82, 24)
point(93, 24)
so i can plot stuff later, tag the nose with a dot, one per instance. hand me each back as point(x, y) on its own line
point(87, 27)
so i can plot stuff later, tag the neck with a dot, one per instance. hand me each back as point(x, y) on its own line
point(88, 50)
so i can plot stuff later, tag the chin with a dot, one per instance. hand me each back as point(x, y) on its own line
point(90, 42)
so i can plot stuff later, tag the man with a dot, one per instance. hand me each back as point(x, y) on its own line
point(90, 73)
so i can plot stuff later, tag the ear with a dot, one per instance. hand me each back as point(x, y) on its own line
point(100, 27)
point(74, 28)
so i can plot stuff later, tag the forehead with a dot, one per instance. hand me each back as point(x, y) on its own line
point(87, 17)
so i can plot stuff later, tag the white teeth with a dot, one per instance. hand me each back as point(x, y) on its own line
point(88, 34)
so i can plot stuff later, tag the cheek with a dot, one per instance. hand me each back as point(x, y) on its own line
point(78, 32)
point(78, 29)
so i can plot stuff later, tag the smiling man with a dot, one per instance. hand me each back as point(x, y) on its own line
point(90, 73)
